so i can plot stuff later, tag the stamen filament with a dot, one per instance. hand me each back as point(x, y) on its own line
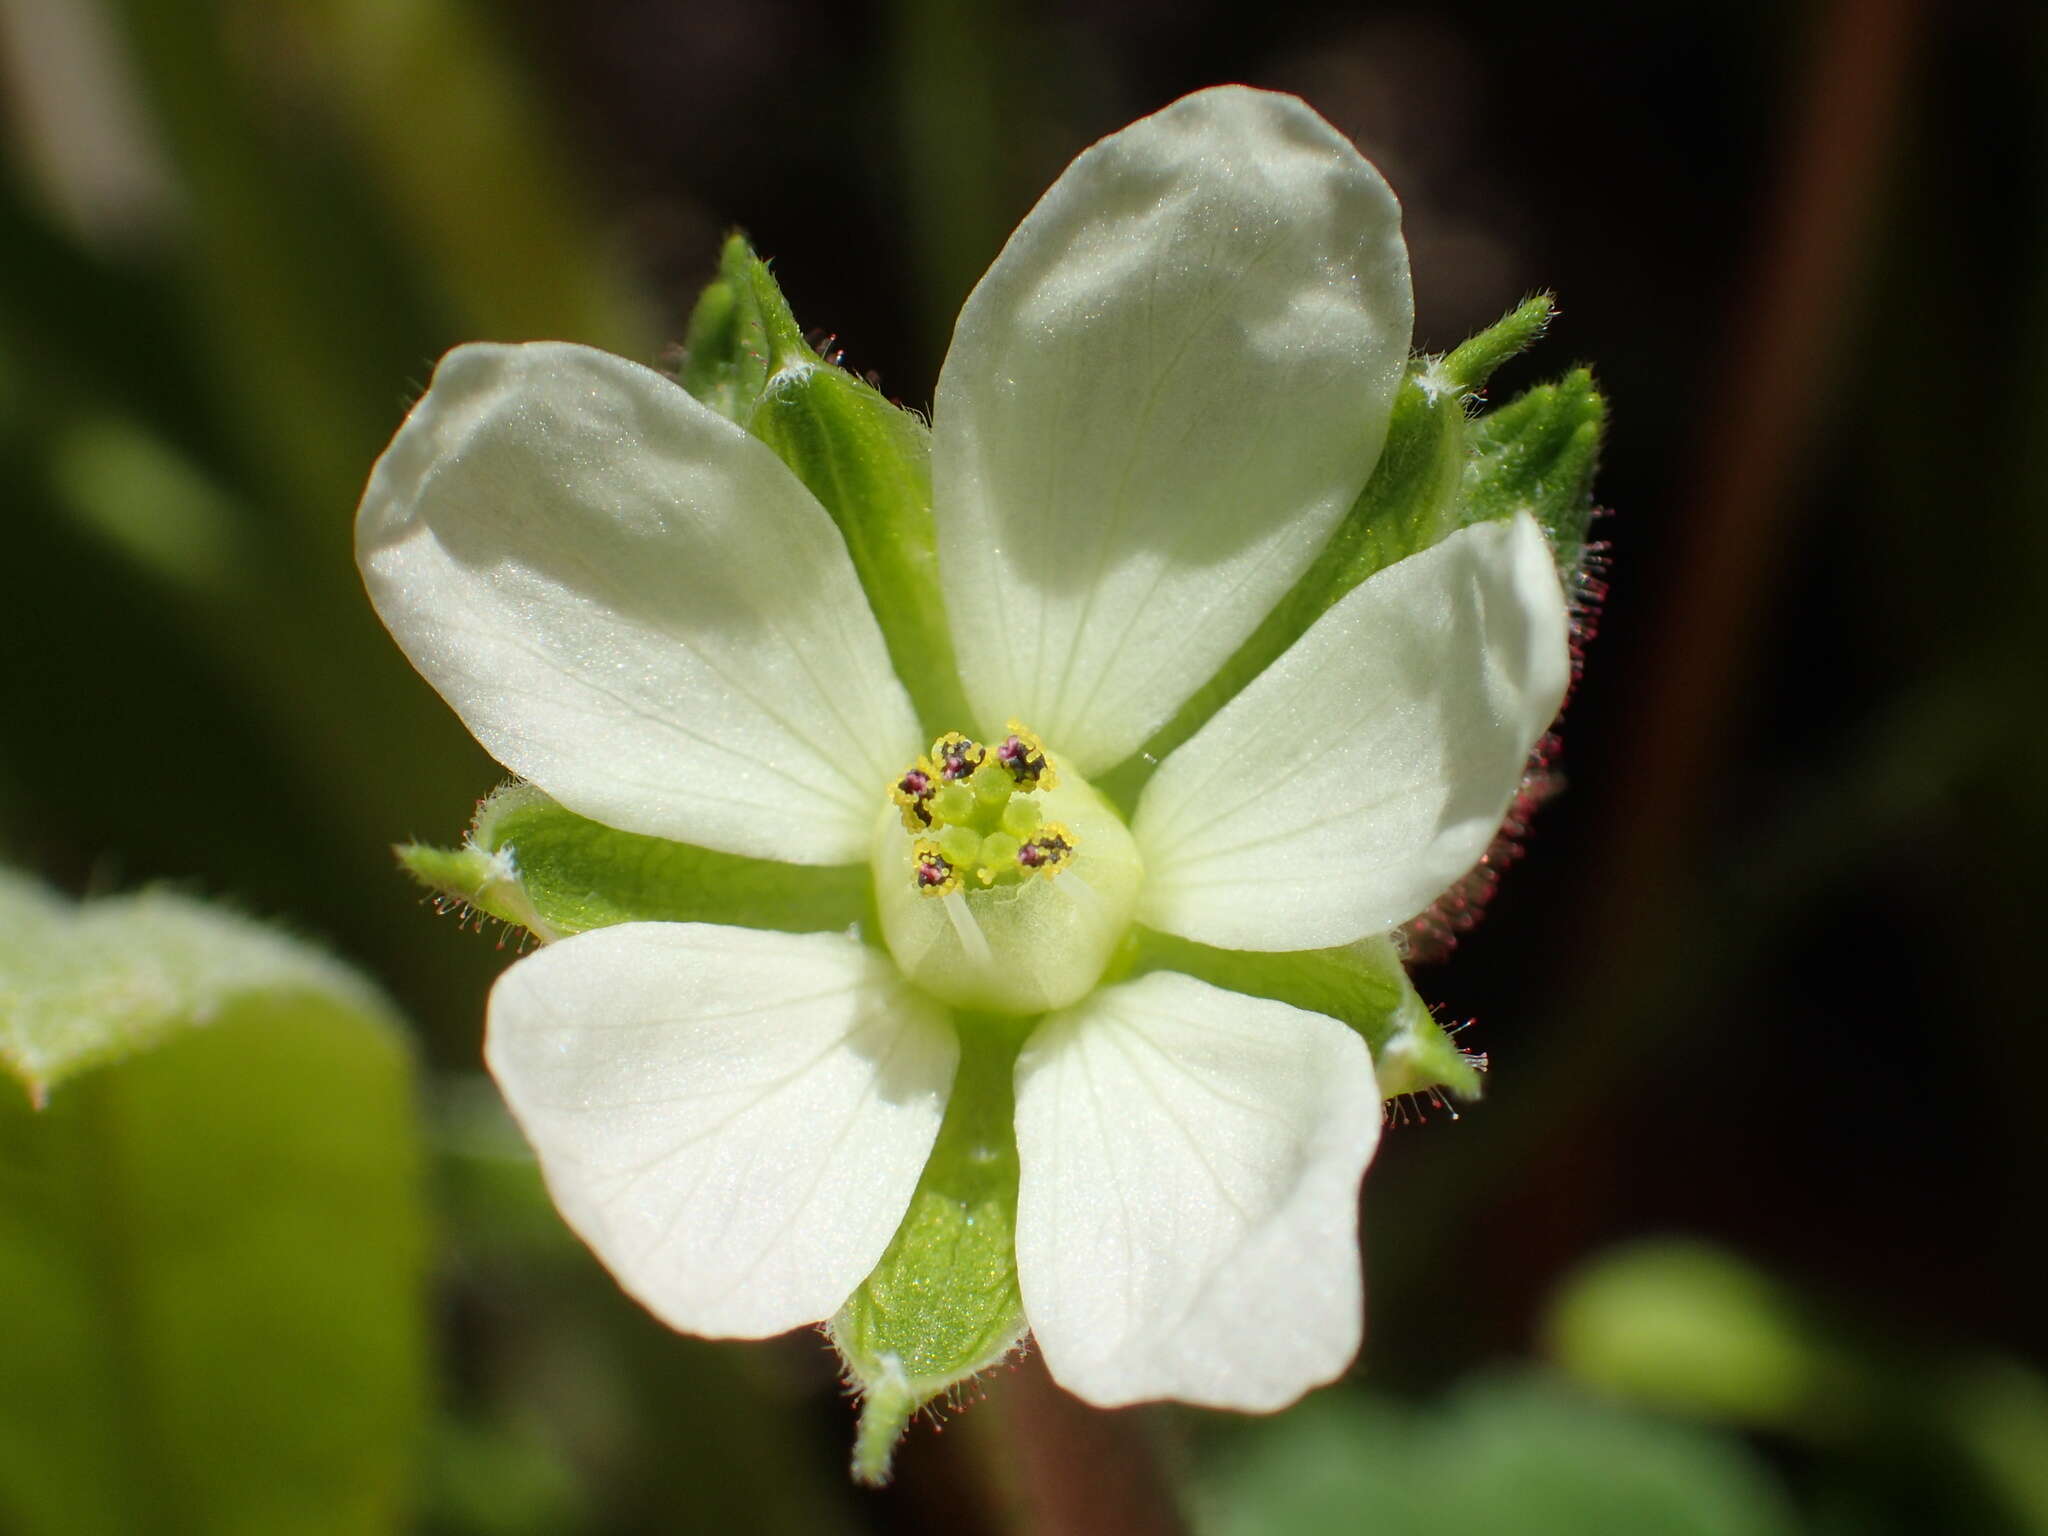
point(965, 928)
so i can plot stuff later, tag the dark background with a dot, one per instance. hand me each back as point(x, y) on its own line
point(1765, 978)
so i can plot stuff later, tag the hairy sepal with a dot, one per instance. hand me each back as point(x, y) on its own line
point(1537, 454)
point(943, 1305)
point(867, 460)
point(530, 863)
point(1416, 496)
point(1364, 985)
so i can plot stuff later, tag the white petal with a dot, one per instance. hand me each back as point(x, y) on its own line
point(1158, 402)
point(634, 604)
point(733, 1120)
point(1370, 766)
point(1187, 1219)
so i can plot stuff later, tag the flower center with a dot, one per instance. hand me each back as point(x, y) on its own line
point(1002, 881)
point(978, 813)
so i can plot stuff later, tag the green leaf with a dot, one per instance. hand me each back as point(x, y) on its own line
point(943, 1303)
point(1687, 1327)
point(80, 987)
point(867, 461)
point(1411, 501)
point(1538, 453)
point(1363, 984)
point(211, 1238)
point(537, 866)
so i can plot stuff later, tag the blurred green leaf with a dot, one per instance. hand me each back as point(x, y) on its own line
point(1934, 1433)
point(150, 505)
point(1996, 1413)
point(211, 1240)
point(1525, 1455)
point(466, 152)
point(82, 986)
point(1687, 1327)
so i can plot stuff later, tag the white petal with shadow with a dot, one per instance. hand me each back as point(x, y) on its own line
point(1359, 776)
point(634, 604)
point(733, 1120)
point(1172, 382)
point(1187, 1219)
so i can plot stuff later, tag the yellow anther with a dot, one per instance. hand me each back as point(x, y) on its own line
point(936, 876)
point(912, 793)
point(1047, 853)
point(957, 756)
point(1023, 754)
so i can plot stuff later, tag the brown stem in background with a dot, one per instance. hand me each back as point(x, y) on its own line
point(1717, 598)
point(1770, 404)
point(1771, 401)
point(1065, 1469)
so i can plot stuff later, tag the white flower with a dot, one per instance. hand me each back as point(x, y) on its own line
point(1158, 403)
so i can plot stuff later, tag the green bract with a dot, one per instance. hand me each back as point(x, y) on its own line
point(973, 856)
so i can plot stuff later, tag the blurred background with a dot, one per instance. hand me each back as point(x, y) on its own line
point(1740, 1240)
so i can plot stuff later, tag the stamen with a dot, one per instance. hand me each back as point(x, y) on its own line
point(1084, 895)
point(1048, 852)
point(912, 795)
point(994, 938)
point(957, 755)
point(966, 929)
point(1024, 755)
point(936, 875)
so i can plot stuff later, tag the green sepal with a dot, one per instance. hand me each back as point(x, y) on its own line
point(1537, 454)
point(943, 1304)
point(739, 333)
point(869, 464)
point(867, 460)
point(1412, 500)
point(1473, 361)
point(529, 862)
point(1364, 985)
